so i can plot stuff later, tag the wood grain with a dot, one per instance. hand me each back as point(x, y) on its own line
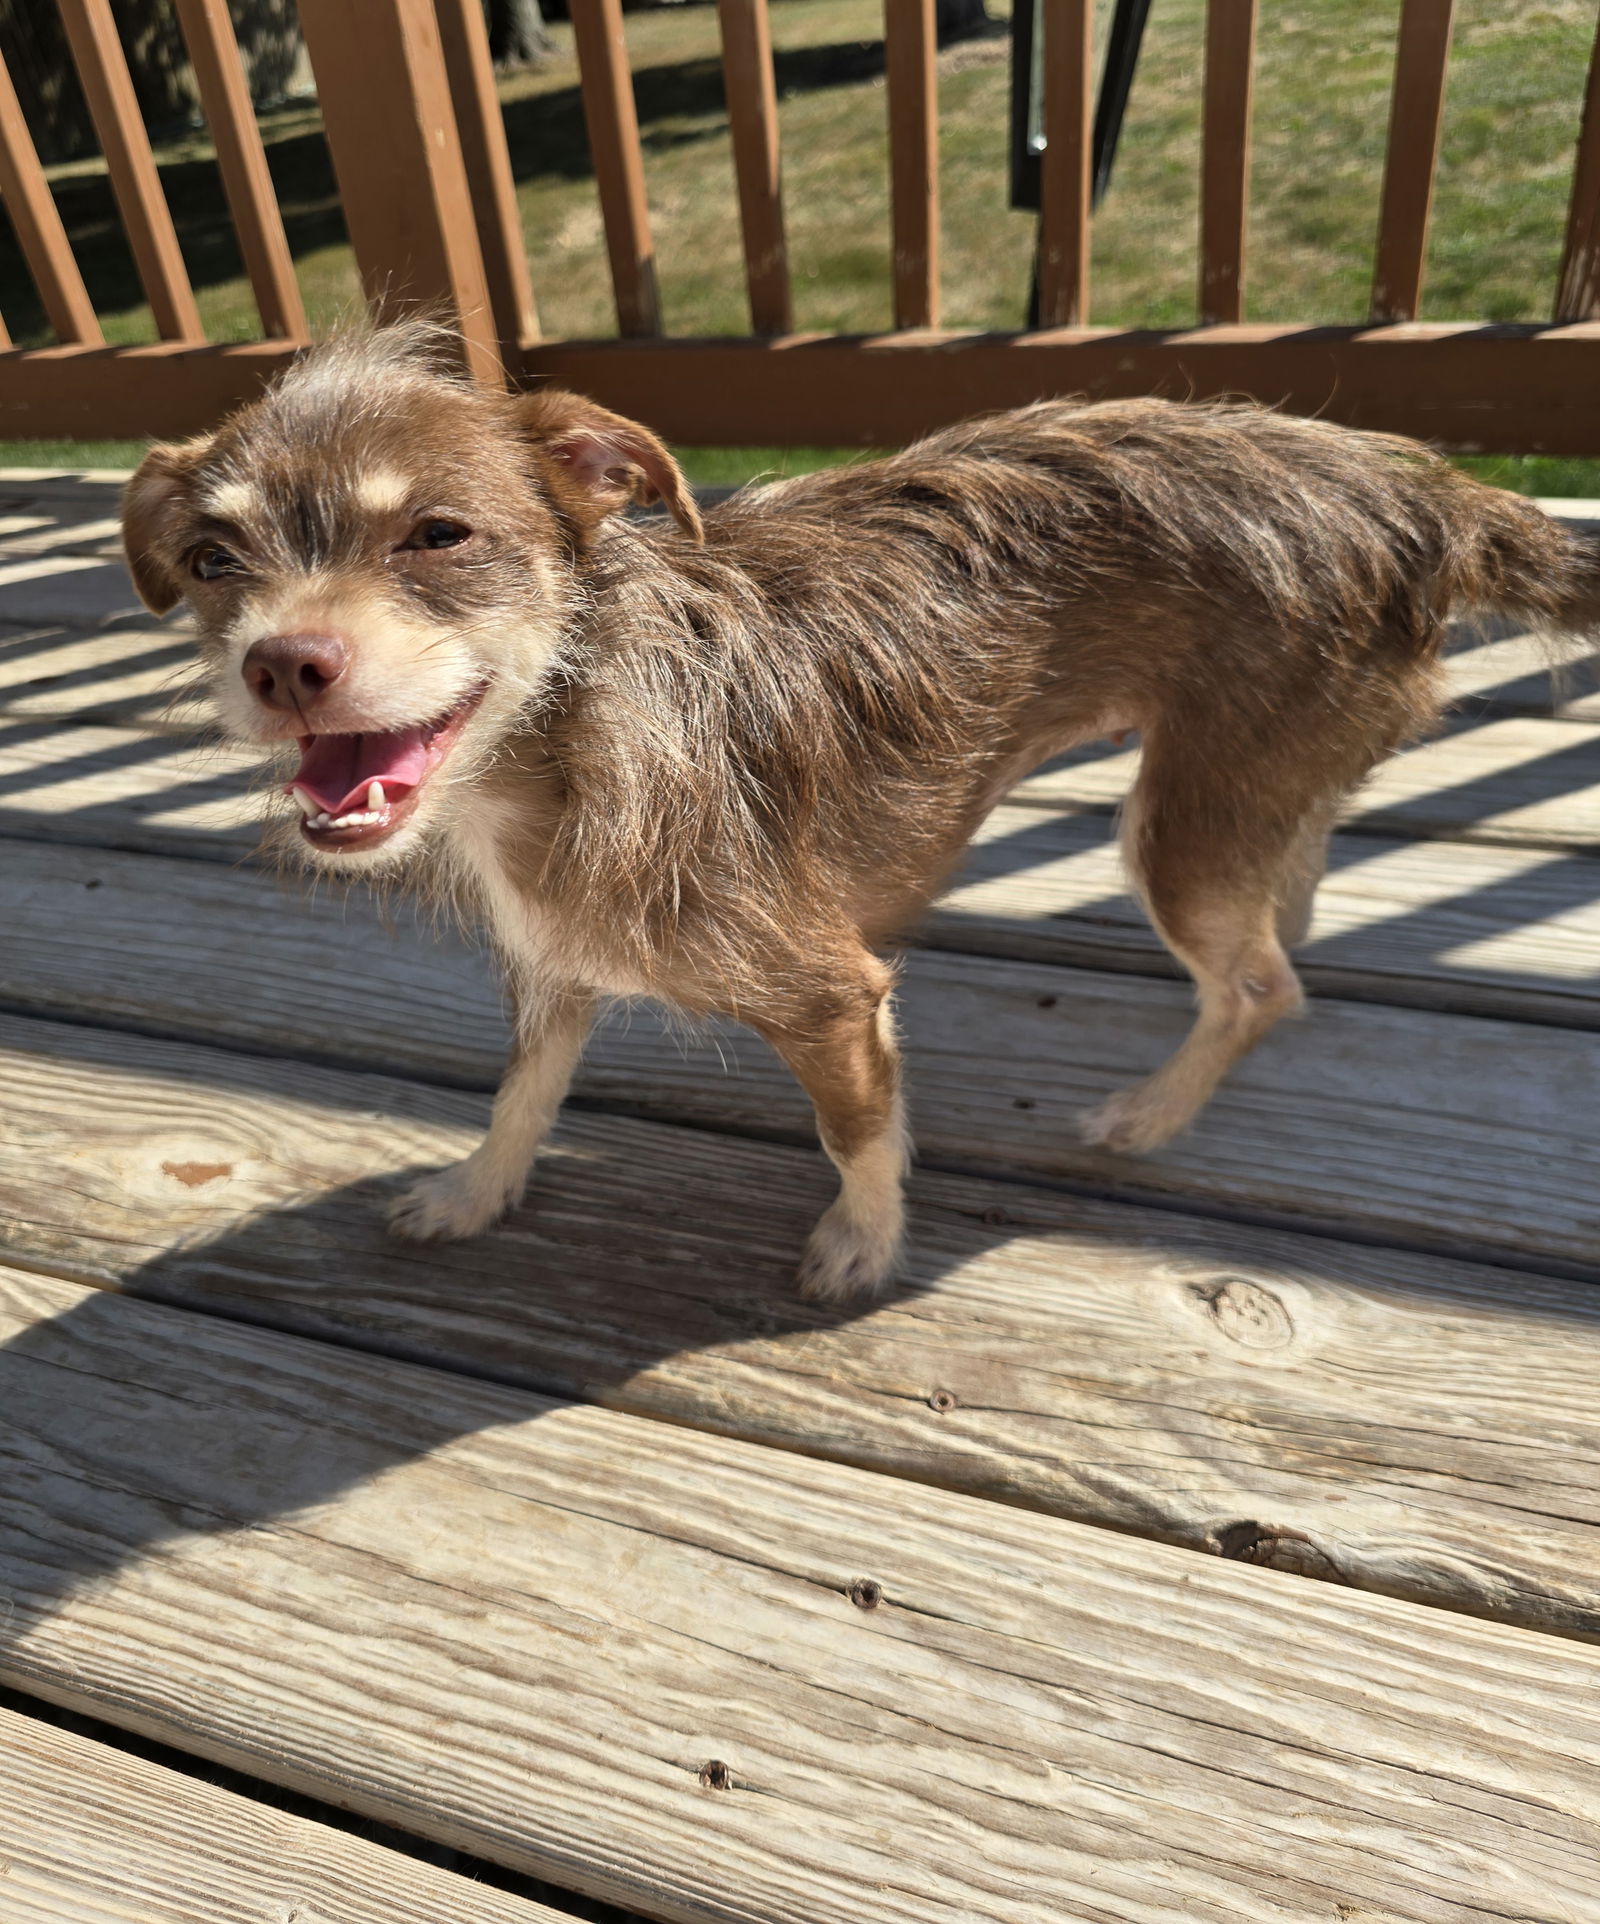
point(95, 1836)
point(1389, 1422)
point(911, 85)
point(480, 123)
point(136, 677)
point(750, 87)
point(612, 120)
point(1225, 157)
point(1066, 164)
point(1416, 114)
point(404, 188)
point(1476, 929)
point(1427, 1130)
point(102, 69)
point(1512, 780)
point(36, 221)
point(623, 1655)
point(1578, 288)
point(213, 51)
point(116, 788)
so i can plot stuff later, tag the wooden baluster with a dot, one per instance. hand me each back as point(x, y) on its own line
point(1416, 112)
point(397, 156)
point(488, 161)
point(1578, 291)
point(910, 51)
point(37, 221)
point(753, 125)
point(613, 123)
point(108, 88)
point(1225, 157)
point(1065, 166)
point(242, 161)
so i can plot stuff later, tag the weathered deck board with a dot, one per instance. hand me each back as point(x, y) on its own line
point(1493, 669)
point(130, 676)
point(1460, 926)
point(550, 1633)
point(1534, 781)
point(94, 1836)
point(1475, 929)
point(121, 788)
point(1394, 1423)
point(1429, 1130)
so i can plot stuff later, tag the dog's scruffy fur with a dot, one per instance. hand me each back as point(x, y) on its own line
point(722, 765)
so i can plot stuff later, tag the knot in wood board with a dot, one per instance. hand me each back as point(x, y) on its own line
point(1247, 1313)
point(195, 1175)
point(1273, 1548)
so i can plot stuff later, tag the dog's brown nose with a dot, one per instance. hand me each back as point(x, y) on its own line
point(294, 671)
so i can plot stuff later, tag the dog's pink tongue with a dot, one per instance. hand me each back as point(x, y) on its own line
point(336, 770)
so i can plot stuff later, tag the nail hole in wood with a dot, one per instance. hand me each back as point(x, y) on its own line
point(1048, 1001)
point(716, 1775)
point(941, 1400)
point(866, 1593)
point(1022, 1102)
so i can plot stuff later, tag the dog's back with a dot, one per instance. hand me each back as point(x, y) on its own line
point(1262, 598)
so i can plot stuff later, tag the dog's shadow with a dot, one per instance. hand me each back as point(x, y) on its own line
point(123, 1429)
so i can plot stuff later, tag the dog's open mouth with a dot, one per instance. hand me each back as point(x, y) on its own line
point(354, 791)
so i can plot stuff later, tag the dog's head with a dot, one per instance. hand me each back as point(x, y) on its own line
point(380, 561)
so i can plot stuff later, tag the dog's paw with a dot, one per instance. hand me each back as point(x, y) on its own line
point(454, 1203)
point(844, 1259)
point(1133, 1122)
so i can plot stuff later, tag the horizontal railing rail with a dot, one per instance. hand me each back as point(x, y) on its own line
point(420, 155)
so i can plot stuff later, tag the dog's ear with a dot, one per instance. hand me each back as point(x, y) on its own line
point(147, 509)
point(597, 462)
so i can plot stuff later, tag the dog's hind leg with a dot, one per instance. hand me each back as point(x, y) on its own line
point(1304, 865)
point(1212, 877)
point(471, 1194)
point(842, 1051)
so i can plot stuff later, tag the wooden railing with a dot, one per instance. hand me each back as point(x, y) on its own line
point(419, 151)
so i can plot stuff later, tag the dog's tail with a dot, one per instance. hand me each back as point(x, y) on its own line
point(1502, 554)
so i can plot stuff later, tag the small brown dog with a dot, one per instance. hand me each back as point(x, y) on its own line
point(719, 764)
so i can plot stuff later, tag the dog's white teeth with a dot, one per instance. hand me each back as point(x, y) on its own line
point(376, 797)
point(309, 808)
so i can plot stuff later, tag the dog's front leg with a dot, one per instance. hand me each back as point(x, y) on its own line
point(844, 1055)
point(467, 1197)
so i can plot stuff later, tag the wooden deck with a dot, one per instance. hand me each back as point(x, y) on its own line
point(1195, 1540)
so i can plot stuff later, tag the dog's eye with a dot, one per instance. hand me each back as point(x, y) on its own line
point(439, 533)
point(211, 561)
